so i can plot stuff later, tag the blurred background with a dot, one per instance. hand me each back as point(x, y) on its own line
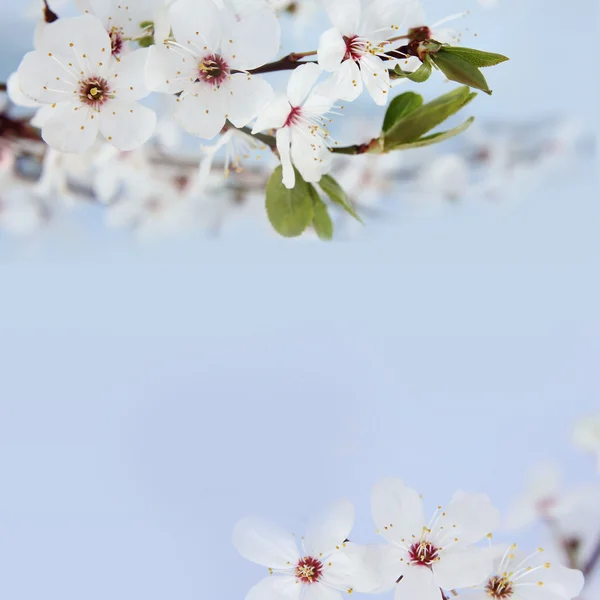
point(153, 394)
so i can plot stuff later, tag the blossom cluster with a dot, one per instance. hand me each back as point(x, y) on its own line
point(448, 553)
point(209, 60)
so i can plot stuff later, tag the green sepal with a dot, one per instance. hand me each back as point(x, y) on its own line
point(419, 76)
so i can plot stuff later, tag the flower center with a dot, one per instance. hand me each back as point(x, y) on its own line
point(116, 40)
point(213, 69)
point(94, 91)
point(294, 116)
point(499, 587)
point(309, 569)
point(354, 48)
point(423, 553)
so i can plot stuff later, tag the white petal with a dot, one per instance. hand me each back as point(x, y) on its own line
point(284, 140)
point(16, 94)
point(247, 95)
point(328, 531)
point(301, 82)
point(71, 128)
point(396, 505)
point(44, 79)
point(203, 112)
point(196, 24)
point(81, 40)
point(471, 517)
point(128, 77)
point(127, 125)
point(332, 49)
point(344, 14)
point(462, 567)
point(417, 584)
point(275, 588)
point(346, 83)
point(382, 17)
point(389, 561)
point(252, 41)
point(376, 78)
point(353, 567)
point(319, 591)
point(265, 543)
point(309, 154)
point(535, 592)
point(273, 115)
point(167, 72)
point(42, 115)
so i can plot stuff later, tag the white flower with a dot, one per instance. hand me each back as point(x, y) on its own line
point(301, 134)
point(207, 63)
point(519, 577)
point(89, 90)
point(355, 48)
point(326, 565)
point(586, 435)
point(425, 556)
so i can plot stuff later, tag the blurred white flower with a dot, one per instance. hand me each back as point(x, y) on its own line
point(586, 435)
point(518, 576)
point(326, 564)
point(424, 556)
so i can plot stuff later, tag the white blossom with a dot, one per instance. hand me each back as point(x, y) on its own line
point(88, 90)
point(426, 555)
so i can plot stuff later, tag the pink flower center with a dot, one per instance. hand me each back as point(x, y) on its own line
point(423, 553)
point(294, 116)
point(499, 588)
point(213, 69)
point(116, 40)
point(94, 91)
point(354, 48)
point(309, 570)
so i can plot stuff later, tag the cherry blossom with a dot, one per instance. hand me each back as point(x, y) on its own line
point(299, 119)
point(424, 556)
point(356, 49)
point(88, 90)
point(325, 565)
point(517, 576)
point(207, 64)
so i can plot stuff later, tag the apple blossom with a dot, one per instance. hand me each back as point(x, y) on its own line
point(424, 556)
point(88, 89)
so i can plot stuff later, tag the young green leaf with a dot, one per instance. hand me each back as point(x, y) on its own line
point(337, 195)
point(399, 107)
point(422, 120)
point(321, 221)
point(289, 211)
point(419, 76)
point(478, 58)
point(435, 138)
point(460, 70)
point(146, 41)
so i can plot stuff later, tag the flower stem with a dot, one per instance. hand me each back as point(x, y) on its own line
point(287, 63)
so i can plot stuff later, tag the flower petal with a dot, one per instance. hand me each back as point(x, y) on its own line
point(389, 561)
point(16, 94)
point(284, 140)
point(417, 584)
point(301, 82)
point(167, 71)
point(470, 516)
point(328, 531)
point(265, 543)
point(309, 154)
point(354, 567)
point(128, 77)
point(276, 587)
point(196, 24)
point(462, 567)
point(397, 510)
point(202, 113)
point(344, 14)
point(273, 115)
point(71, 128)
point(252, 40)
point(346, 82)
point(44, 79)
point(376, 78)
point(127, 125)
point(247, 96)
point(320, 591)
point(332, 49)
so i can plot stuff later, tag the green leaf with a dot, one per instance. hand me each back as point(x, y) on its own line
point(289, 211)
point(337, 195)
point(147, 25)
point(436, 138)
point(422, 120)
point(460, 70)
point(400, 107)
point(321, 221)
point(146, 41)
point(478, 58)
point(419, 76)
